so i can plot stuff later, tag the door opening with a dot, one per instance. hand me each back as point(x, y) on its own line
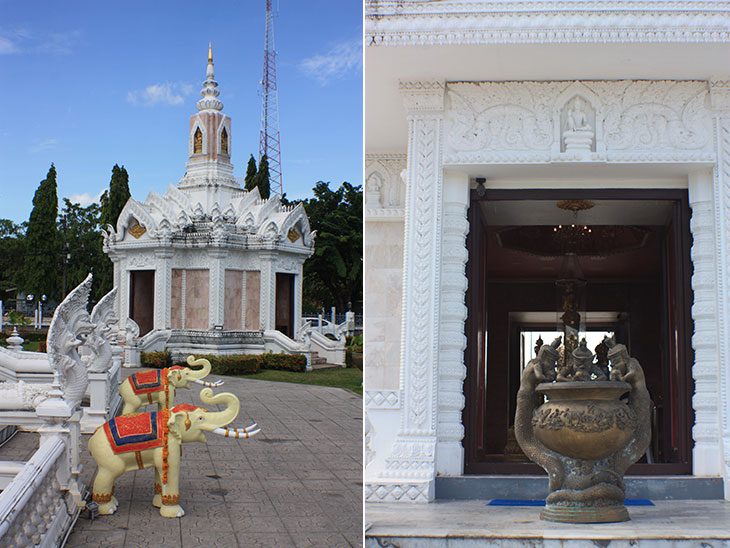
point(640, 294)
point(142, 299)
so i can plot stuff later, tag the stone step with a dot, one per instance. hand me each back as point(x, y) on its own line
point(489, 487)
point(317, 359)
point(473, 524)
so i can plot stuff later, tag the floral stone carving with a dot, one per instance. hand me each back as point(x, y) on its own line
point(585, 435)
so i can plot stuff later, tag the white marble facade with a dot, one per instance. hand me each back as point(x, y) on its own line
point(534, 95)
point(212, 247)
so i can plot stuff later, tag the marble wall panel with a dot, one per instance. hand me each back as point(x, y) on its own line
point(176, 299)
point(233, 293)
point(383, 302)
point(197, 290)
point(253, 300)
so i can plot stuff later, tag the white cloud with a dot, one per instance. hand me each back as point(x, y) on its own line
point(166, 93)
point(24, 41)
point(43, 145)
point(7, 46)
point(337, 62)
point(85, 199)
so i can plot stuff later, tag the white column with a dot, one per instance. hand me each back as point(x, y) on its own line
point(705, 432)
point(720, 103)
point(217, 280)
point(267, 308)
point(163, 280)
point(452, 340)
point(298, 279)
point(410, 468)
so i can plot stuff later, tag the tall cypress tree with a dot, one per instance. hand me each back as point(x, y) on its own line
point(249, 182)
point(40, 267)
point(112, 203)
point(262, 178)
point(116, 198)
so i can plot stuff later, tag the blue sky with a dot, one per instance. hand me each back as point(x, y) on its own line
point(88, 84)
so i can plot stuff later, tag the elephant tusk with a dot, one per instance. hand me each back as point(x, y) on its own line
point(231, 433)
point(210, 384)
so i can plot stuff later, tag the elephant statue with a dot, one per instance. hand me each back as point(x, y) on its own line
point(159, 385)
point(141, 440)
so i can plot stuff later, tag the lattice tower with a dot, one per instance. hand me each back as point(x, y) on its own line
point(269, 142)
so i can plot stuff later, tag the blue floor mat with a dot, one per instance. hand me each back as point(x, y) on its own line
point(527, 502)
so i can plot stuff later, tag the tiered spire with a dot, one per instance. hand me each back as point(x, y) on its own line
point(210, 91)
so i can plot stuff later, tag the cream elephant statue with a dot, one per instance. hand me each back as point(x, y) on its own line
point(159, 385)
point(141, 440)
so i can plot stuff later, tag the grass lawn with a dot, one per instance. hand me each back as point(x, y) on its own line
point(349, 378)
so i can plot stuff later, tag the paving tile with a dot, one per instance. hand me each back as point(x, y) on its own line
point(96, 539)
point(264, 540)
point(154, 538)
point(209, 539)
point(261, 509)
point(259, 524)
point(319, 540)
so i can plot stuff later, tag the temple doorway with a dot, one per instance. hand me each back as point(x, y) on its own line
point(142, 299)
point(285, 304)
point(631, 247)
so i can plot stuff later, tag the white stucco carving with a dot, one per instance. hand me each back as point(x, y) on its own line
point(643, 121)
point(424, 22)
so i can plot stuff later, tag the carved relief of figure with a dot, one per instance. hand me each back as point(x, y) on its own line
point(578, 131)
point(577, 118)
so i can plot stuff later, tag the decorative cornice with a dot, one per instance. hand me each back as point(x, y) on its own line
point(382, 399)
point(720, 94)
point(393, 214)
point(422, 96)
point(396, 23)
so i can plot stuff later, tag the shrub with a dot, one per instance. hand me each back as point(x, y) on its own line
point(354, 343)
point(284, 362)
point(232, 365)
point(156, 360)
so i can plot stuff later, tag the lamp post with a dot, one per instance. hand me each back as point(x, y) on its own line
point(29, 300)
point(43, 299)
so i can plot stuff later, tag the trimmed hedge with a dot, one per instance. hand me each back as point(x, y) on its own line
point(230, 365)
point(252, 363)
point(156, 360)
point(284, 362)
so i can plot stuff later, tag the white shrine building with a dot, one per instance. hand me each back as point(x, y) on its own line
point(208, 266)
point(480, 117)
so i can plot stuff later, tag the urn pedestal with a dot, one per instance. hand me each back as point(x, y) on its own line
point(585, 435)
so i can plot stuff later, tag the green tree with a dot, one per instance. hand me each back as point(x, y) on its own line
point(83, 234)
point(12, 253)
point(114, 200)
point(249, 182)
point(262, 178)
point(112, 203)
point(40, 267)
point(333, 275)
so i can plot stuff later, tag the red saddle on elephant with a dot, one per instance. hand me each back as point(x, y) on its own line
point(136, 431)
point(153, 380)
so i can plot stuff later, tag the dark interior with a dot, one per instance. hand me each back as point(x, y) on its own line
point(142, 299)
point(641, 293)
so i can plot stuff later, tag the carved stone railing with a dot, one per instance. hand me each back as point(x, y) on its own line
point(32, 508)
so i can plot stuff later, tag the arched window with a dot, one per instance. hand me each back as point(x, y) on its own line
point(197, 141)
point(224, 141)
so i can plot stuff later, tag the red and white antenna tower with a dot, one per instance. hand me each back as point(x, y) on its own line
point(269, 138)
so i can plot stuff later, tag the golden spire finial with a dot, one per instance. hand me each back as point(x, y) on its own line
point(210, 52)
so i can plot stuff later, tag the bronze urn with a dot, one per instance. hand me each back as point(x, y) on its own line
point(585, 426)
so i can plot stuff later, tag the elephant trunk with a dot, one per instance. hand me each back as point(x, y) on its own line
point(219, 419)
point(197, 374)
